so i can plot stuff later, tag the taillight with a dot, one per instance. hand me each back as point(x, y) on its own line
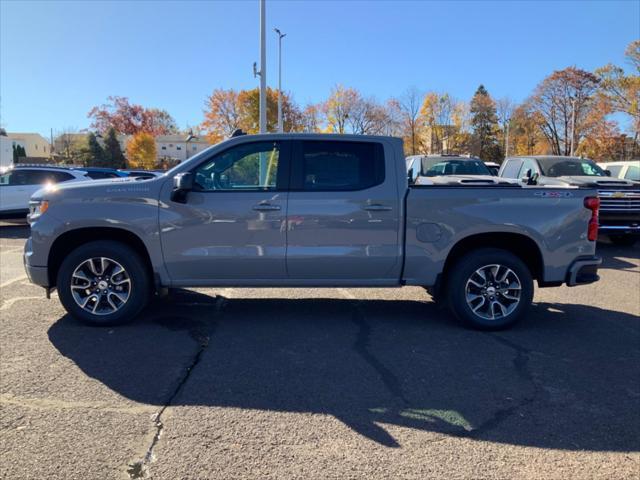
point(593, 204)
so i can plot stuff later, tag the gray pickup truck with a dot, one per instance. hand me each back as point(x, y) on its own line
point(308, 210)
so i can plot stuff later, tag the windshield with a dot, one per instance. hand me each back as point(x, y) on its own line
point(569, 167)
point(432, 167)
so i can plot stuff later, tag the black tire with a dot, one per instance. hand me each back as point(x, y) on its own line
point(623, 240)
point(140, 282)
point(461, 273)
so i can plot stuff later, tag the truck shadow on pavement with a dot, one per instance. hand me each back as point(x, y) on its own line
point(565, 378)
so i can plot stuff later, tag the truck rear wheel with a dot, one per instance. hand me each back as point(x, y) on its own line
point(489, 289)
point(103, 283)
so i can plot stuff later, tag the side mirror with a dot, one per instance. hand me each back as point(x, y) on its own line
point(527, 175)
point(607, 173)
point(182, 184)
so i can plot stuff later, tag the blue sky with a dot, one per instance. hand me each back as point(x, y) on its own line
point(58, 59)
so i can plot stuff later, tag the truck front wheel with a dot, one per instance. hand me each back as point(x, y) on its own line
point(489, 289)
point(103, 283)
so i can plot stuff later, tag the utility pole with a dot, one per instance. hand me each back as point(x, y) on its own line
point(263, 70)
point(506, 142)
point(280, 37)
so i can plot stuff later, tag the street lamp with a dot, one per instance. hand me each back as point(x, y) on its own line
point(280, 37)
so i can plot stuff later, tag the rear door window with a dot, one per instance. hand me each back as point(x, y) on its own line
point(614, 169)
point(336, 165)
point(58, 177)
point(633, 173)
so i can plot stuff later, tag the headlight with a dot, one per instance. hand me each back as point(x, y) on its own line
point(37, 208)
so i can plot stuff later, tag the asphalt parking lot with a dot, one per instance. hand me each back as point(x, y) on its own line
point(322, 383)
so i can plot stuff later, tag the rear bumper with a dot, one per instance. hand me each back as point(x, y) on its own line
point(583, 271)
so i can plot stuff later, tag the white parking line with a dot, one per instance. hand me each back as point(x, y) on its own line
point(347, 294)
point(13, 250)
point(9, 282)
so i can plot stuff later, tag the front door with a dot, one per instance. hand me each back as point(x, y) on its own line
point(232, 225)
point(343, 214)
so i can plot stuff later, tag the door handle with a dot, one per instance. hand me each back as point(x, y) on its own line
point(377, 208)
point(266, 207)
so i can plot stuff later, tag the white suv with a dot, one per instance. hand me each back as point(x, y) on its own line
point(18, 183)
point(629, 170)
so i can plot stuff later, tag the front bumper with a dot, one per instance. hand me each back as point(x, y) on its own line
point(583, 271)
point(619, 222)
point(37, 275)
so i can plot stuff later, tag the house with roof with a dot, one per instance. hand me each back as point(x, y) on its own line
point(36, 146)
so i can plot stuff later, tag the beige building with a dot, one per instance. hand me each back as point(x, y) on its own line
point(437, 139)
point(179, 147)
point(35, 145)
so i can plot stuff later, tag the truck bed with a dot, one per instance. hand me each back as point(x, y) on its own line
point(438, 217)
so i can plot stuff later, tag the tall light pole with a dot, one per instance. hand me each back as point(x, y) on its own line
point(573, 125)
point(506, 143)
point(263, 70)
point(280, 37)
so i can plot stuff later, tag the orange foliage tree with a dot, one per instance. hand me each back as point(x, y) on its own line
point(141, 151)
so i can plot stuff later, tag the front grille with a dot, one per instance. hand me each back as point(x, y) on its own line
point(619, 200)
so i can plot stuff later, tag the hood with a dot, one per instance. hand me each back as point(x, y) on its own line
point(469, 180)
point(92, 187)
point(587, 181)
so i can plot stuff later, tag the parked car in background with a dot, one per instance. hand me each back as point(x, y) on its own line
point(310, 210)
point(619, 198)
point(141, 173)
point(493, 167)
point(629, 170)
point(99, 173)
point(438, 165)
point(19, 182)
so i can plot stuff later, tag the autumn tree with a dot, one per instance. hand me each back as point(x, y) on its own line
point(228, 110)
point(436, 114)
point(113, 156)
point(367, 117)
point(621, 90)
point(339, 107)
point(130, 119)
point(312, 118)
point(408, 108)
point(564, 101)
point(484, 125)
point(141, 151)
point(525, 135)
point(460, 139)
point(504, 112)
point(221, 115)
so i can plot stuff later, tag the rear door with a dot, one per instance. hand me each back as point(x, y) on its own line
point(343, 213)
point(17, 187)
